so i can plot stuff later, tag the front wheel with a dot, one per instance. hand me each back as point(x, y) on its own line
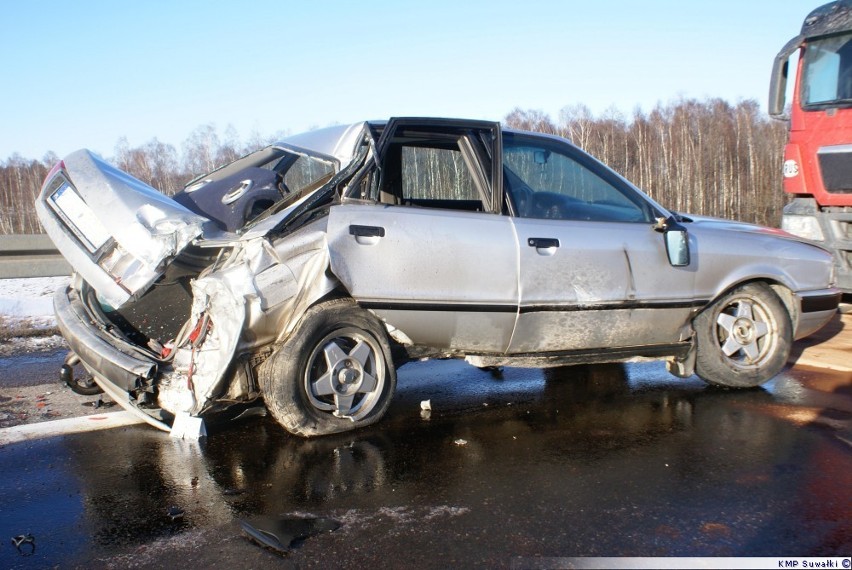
point(743, 339)
point(333, 374)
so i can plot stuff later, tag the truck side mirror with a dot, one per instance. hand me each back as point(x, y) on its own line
point(778, 80)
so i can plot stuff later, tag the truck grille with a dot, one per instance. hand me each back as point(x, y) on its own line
point(835, 164)
point(840, 225)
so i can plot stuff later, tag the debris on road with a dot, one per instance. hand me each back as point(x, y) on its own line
point(25, 543)
point(175, 513)
point(280, 535)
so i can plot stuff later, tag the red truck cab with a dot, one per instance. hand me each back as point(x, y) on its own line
point(818, 156)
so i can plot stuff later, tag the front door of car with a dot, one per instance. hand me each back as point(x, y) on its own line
point(426, 250)
point(593, 271)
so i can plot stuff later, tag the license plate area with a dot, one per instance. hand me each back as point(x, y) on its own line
point(77, 216)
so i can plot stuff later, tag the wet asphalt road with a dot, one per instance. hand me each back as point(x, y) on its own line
point(615, 460)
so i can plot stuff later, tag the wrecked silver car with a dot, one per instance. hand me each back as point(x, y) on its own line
point(307, 272)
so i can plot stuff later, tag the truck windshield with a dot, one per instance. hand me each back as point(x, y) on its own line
point(827, 72)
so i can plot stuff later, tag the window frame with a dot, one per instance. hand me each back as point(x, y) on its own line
point(472, 139)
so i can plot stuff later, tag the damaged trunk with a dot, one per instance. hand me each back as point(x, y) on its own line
point(180, 328)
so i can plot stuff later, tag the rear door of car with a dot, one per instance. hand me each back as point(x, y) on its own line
point(428, 249)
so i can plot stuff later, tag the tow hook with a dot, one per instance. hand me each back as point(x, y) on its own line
point(82, 386)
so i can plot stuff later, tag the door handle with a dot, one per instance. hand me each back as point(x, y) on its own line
point(367, 231)
point(543, 243)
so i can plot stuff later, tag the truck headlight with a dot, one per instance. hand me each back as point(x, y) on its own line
point(803, 226)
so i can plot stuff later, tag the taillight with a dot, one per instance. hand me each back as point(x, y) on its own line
point(55, 170)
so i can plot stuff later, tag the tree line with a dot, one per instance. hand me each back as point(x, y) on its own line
point(705, 157)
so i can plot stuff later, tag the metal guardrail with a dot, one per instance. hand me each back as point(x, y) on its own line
point(30, 255)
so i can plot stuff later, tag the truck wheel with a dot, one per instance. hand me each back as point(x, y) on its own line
point(333, 374)
point(743, 339)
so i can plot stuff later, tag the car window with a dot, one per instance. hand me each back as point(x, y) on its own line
point(544, 181)
point(435, 174)
point(428, 169)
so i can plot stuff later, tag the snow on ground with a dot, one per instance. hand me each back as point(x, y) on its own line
point(26, 307)
point(29, 300)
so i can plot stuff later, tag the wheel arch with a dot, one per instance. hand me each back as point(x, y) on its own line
point(288, 391)
point(728, 348)
point(776, 284)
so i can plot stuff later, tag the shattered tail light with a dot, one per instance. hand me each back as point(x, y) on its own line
point(126, 269)
point(57, 168)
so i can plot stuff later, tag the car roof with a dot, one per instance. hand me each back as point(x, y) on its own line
point(339, 142)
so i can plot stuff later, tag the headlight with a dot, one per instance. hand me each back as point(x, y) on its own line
point(802, 226)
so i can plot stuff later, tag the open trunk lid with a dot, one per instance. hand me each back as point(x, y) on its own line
point(114, 230)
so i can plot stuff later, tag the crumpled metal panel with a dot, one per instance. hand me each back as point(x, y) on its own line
point(146, 223)
point(339, 142)
point(261, 289)
point(148, 228)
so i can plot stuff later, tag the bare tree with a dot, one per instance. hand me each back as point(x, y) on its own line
point(706, 157)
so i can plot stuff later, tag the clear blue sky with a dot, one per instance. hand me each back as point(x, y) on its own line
point(85, 73)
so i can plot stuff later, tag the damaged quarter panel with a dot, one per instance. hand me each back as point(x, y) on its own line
point(253, 300)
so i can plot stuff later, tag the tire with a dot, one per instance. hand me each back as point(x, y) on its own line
point(743, 339)
point(333, 374)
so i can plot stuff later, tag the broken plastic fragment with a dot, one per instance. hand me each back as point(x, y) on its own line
point(175, 513)
point(188, 427)
point(460, 442)
point(25, 543)
point(281, 534)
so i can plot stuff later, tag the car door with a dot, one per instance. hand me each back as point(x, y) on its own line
point(426, 250)
point(594, 273)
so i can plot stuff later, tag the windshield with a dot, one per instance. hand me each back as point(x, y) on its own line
point(827, 72)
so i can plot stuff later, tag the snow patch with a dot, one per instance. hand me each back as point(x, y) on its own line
point(30, 299)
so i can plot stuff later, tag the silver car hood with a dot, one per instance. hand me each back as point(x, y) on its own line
point(721, 224)
point(103, 204)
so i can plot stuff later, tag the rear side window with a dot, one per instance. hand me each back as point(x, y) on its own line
point(431, 169)
point(435, 174)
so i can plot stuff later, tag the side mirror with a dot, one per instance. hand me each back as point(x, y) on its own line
point(677, 247)
point(677, 243)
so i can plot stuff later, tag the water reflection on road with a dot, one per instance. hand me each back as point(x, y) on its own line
point(588, 460)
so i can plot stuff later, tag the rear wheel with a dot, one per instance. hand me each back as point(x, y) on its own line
point(333, 374)
point(744, 338)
